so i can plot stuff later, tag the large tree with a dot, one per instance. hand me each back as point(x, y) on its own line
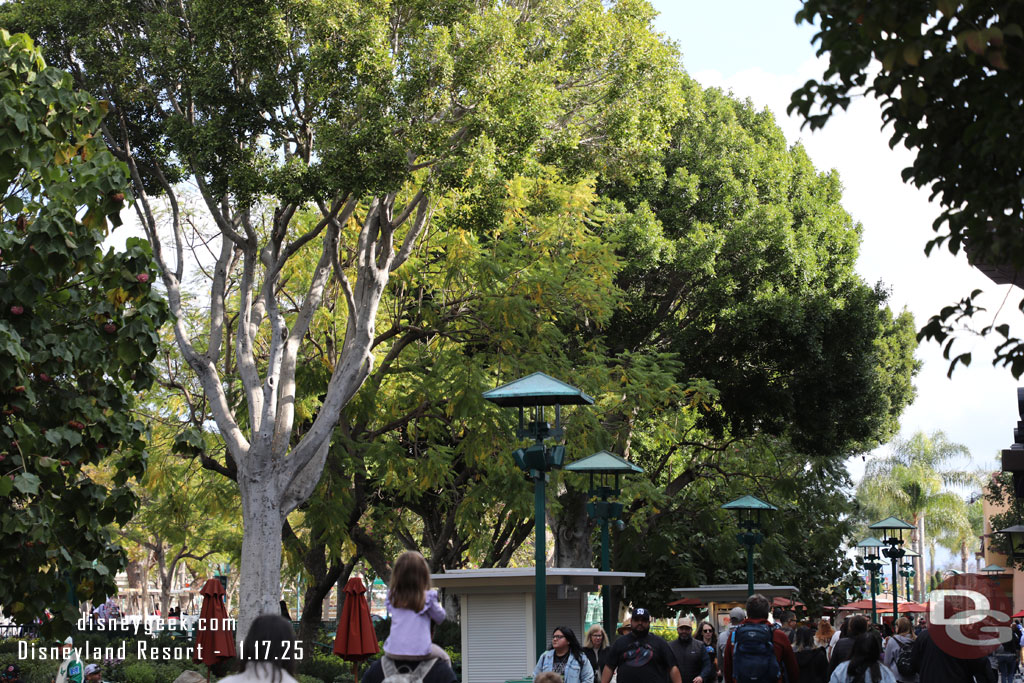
point(947, 75)
point(77, 334)
point(332, 128)
point(743, 324)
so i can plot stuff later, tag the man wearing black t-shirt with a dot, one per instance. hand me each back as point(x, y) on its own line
point(640, 657)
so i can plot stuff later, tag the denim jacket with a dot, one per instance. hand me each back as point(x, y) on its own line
point(574, 671)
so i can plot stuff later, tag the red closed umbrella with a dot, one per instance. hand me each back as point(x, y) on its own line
point(356, 640)
point(215, 642)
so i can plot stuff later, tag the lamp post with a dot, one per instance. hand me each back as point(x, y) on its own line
point(1016, 536)
point(537, 392)
point(892, 536)
point(605, 465)
point(870, 546)
point(907, 570)
point(749, 510)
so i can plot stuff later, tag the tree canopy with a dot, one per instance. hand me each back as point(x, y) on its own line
point(334, 127)
point(946, 73)
point(78, 331)
point(759, 360)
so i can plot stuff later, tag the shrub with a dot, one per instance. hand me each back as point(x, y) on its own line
point(32, 670)
point(140, 672)
point(448, 635)
point(325, 667)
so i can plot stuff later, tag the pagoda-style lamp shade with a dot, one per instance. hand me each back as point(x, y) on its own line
point(869, 547)
point(749, 510)
point(993, 569)
point(893, 528)
point(604, 466)
point(537, 391)
point(1016, 534)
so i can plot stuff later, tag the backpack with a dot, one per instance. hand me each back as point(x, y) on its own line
point(903, 658)
point(400, 673)
point(753, 654)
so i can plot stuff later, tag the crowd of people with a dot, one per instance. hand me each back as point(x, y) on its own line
point(756, 647)
point(764, 647)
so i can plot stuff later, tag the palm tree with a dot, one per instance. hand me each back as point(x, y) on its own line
point(912, 482)
point(962, 534)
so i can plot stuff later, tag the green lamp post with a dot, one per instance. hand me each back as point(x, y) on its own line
point(908, 569)
point(605, 466)
point(870, 548)
point(537, 392)
point(892, 536)
point(749, 511)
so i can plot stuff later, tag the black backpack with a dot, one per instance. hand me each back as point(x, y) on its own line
point(903, 658)
point(753, 654)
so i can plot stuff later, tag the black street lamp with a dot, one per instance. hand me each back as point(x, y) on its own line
point(538, 391)
point(892, 530)
point(749, 510)
point(870, 547)
point(605, 465)
point(908, 568)
point(1016, 534)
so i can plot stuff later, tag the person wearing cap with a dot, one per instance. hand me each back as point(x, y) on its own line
point(11, 674)
point(93, 673)
point(71, 670)
point(640, 656)
point(691, 655)
point(736, 617)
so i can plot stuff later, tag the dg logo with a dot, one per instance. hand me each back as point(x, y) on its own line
point(969, 616)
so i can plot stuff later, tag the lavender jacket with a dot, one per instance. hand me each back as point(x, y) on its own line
point(410, 631)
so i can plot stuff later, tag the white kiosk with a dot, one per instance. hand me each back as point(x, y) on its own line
point(496, 611)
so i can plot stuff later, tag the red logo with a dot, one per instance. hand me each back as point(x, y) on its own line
point(969, 616)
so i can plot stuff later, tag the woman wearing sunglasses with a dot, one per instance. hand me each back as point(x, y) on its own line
point(707, 635)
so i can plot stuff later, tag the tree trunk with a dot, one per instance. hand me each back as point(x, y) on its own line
point(963, 556)
point(571, 529)
point(136, 583)
point(920, 577)
point(260, 588)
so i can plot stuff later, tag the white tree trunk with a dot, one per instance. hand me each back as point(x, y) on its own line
point(260, 581)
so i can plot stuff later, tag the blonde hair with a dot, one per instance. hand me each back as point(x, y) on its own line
point(410, 580)
point(825, 631)
point(904, 627)
point(596, 628)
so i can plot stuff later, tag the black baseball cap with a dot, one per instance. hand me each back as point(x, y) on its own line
point(641, 613)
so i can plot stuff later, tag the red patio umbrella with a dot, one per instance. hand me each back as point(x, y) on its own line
point(686, 602)
point(913, 607)
point(214, 641)
point(356, 640)
point(1019, 614)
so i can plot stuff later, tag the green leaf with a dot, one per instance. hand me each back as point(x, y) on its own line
point(26, 482)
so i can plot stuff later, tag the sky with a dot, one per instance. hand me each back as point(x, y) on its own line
point(754, 49)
